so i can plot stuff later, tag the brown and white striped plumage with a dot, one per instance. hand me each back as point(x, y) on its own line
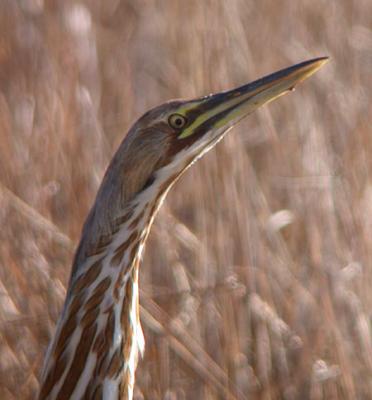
point(93, 354)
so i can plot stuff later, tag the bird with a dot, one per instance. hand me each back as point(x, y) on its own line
point(94, 351)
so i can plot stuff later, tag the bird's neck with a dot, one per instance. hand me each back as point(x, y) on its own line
point(94, 351)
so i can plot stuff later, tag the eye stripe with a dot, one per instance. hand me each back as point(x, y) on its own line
point(209, 122)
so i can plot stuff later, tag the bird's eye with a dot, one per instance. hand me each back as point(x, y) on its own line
point(177, 121)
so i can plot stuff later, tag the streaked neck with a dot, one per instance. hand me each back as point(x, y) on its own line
point(94, 351)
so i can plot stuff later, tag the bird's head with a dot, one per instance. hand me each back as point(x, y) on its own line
point(169, 138)
point(166, 140)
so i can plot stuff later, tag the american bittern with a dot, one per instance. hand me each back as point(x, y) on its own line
point(93, 354)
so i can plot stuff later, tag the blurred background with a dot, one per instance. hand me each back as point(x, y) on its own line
point(256, 280)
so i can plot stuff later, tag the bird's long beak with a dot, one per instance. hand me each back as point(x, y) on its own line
point(222, 110)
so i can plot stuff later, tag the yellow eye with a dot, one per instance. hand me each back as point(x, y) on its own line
point(177, 121)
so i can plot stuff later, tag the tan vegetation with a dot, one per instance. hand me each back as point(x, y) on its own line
point(257, 278)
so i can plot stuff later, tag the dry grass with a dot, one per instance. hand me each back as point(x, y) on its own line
point(256, 282)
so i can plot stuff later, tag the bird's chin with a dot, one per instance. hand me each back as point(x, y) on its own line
point(211, 142)
point(174, 169)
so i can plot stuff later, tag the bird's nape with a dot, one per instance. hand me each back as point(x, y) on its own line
point(94, 351)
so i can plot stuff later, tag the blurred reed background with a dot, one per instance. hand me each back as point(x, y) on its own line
point(256, 281)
